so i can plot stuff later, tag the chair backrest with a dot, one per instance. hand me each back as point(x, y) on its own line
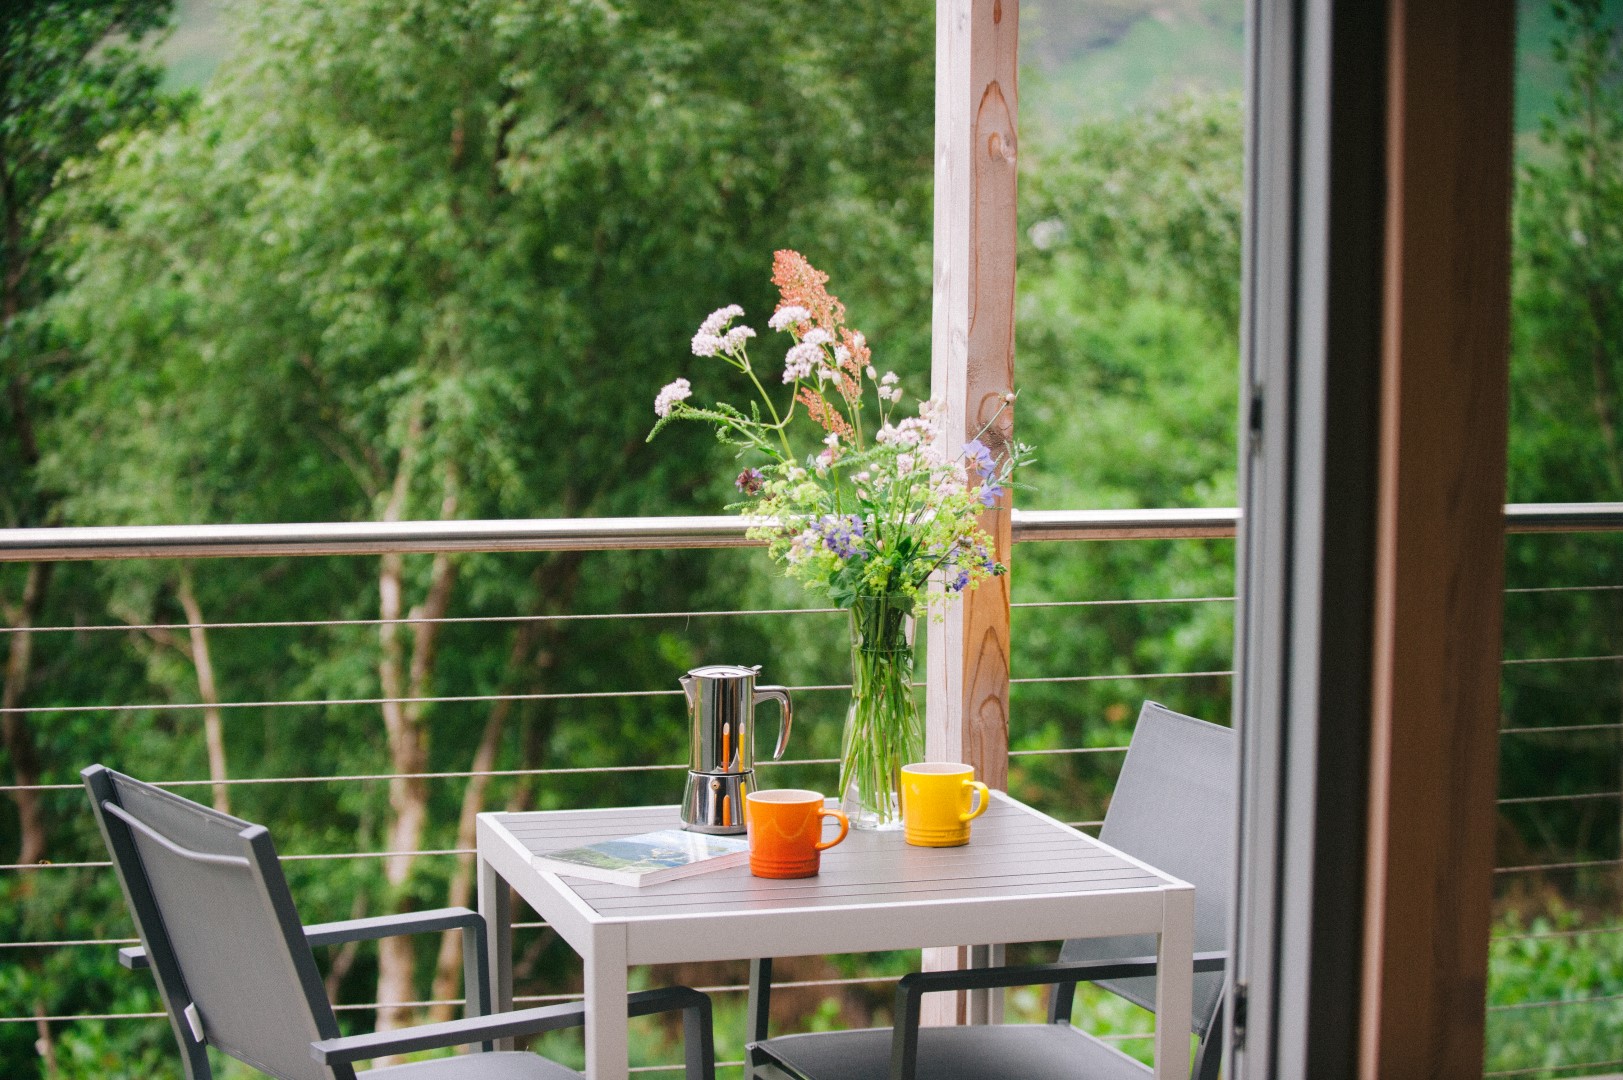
point(1174, 807)
point(219, 927)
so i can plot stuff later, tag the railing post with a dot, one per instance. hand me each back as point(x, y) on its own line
point(972, 369)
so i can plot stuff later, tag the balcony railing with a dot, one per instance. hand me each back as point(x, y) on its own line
point(1068, 779)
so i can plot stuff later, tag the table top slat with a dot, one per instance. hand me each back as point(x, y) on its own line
point(843, 896)
point(1013, 851)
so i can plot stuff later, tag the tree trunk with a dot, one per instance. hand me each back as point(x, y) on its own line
point(19, 739)
point(213, 729)
point(448, 966)
point(403, 681)
point(344, 958)
point(526, 655)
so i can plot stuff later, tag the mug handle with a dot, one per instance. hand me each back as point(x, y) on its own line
point(845, 826)
point(985, 801)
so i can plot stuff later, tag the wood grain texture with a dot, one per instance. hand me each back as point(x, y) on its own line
point(972, 368)
point(973, 353)
point(1439, 568)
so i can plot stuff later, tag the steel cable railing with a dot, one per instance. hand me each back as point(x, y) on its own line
point(202, 542)
point(185, 708)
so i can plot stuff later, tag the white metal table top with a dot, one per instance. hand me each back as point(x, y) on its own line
point(1017, 859)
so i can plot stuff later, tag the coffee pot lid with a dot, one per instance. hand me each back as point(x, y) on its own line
point(725, 671)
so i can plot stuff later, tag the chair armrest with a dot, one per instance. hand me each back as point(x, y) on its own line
point(475, 957)
point(352, 1048)
point(904, 1047)
point(337, 933)
point(384, 926)
point(930, 982)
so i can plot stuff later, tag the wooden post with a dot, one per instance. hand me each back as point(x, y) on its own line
point(1439, 548)
point(972, 368)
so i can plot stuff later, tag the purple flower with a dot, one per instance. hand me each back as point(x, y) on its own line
point(840, 534)
point(750, 481)
point(990, 495)
point(980, 457)
point(958, 583)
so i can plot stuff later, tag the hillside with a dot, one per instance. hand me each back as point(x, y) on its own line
point(1082, 57)
point(1111, 56)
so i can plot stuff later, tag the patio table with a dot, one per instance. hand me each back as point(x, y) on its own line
point(1023, 877)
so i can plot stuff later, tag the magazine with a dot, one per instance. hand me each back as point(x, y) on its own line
point(647, 858)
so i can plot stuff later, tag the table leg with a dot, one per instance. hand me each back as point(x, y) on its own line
point(496, 905)
point(986, 1006)
point(759, 1011)
point(607, 1054)
point(1174, 984)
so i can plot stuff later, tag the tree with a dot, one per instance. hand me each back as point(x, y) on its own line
point(71, 73)
point(427, 260)
point(1128, 324)
point(1568, 347)
point(1566, 398)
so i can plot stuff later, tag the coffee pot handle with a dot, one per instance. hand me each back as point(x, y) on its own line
point(781, 696)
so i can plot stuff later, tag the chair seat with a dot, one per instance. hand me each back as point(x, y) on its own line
point(497, 1065)
point(979, 1052)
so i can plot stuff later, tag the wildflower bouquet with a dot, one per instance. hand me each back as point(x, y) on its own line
point(868, 519)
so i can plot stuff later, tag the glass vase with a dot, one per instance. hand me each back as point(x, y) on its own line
point(883, 730)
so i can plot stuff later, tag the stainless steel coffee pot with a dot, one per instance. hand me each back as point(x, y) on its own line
point(721, 749)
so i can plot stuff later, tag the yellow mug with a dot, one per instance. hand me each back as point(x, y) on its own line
point(939, 801)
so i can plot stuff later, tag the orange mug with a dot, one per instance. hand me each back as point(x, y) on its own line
point(786, 832)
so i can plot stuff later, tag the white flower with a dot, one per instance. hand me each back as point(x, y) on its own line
point(908, 434)
point(872, 374)
point(841, 353)
point(797, 363)
point(795, 474)
point(816, 336)
point(904, 464)
point(862, 477)
point(680, 390)
point(706, 344)
point(733, 340)
point(787, 316)
point(719, 318)
point(890, 379)
point(832, 439)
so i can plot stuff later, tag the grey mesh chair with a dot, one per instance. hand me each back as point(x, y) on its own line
point(1174, 808)
point(234, 966)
